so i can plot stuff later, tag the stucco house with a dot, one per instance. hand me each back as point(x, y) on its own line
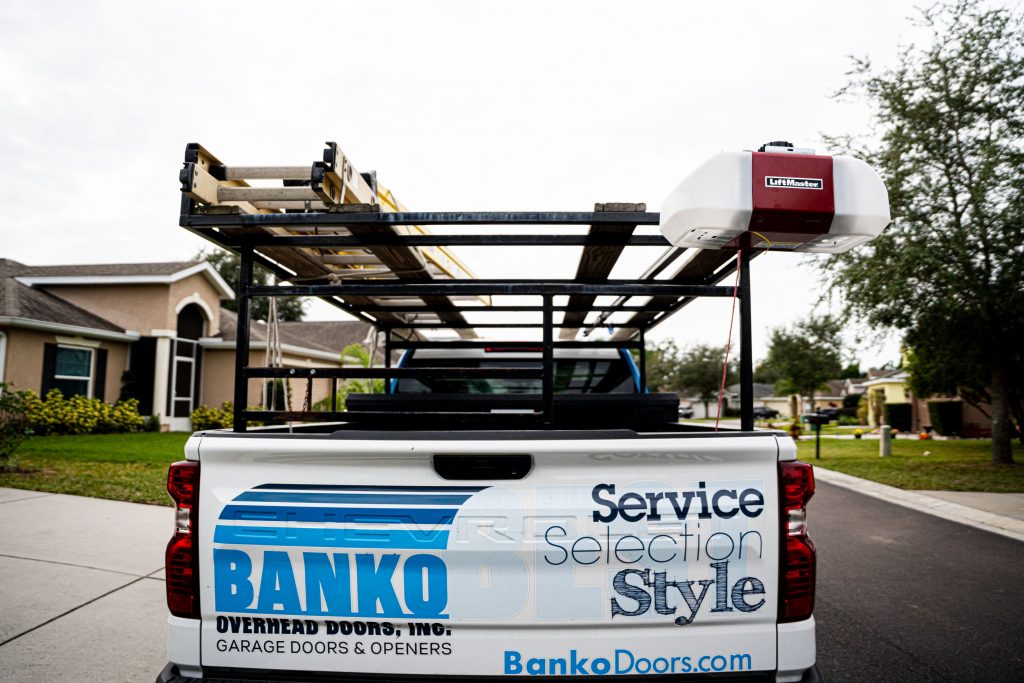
point(830, 395)
point(152, 331)
point(892, 387)
point(731, 398)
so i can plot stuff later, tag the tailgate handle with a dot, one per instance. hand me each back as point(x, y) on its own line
point(469, 467)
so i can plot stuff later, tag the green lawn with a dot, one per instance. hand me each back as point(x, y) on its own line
point(134, 466)
point(129, 467)
point(952, 465)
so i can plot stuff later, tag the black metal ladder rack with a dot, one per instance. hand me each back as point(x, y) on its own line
point(271, 238)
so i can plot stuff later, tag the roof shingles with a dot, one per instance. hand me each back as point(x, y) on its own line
point(331, 336)
point(13, 268)
point(22, 301)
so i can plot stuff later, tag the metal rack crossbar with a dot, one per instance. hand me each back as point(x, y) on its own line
point(325, 239)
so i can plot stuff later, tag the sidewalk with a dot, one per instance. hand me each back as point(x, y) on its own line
point(82, 593)
point(1000, 513)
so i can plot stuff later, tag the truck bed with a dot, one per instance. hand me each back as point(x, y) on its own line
point(445, 553)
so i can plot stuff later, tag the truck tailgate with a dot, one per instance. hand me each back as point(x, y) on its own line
point(608, 556)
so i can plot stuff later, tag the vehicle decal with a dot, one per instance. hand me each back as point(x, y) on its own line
point(257, 516)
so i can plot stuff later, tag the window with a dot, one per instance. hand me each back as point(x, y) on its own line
point(73, 371)
point(572, 376)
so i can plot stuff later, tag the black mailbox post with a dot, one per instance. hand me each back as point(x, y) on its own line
point(817, 418)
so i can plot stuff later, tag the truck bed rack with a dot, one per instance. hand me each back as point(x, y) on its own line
point(345, 247)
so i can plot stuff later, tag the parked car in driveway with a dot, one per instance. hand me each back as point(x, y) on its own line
point(765, 413)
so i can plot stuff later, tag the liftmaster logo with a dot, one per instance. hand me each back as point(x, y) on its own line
point(794, 183)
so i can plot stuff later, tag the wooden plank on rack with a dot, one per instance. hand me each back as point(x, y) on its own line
point(699, 269)
point(596, 263)
point(407, 264)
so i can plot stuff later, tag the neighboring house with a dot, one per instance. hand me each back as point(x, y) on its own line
point(151, 331)
point(831, 395)
point(891, 387)
point(854, 385)
point(731, 398)
point(888, 387)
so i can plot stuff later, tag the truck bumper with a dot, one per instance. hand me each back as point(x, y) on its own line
point(170, 674)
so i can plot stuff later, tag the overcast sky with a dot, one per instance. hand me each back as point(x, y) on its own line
point(458, 106)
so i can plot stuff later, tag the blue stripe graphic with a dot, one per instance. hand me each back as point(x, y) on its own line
point(366, 498)
point(353, 515)
point(333, 538)
point(368, 615)
point(345, 487)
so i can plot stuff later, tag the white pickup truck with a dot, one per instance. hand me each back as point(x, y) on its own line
point(500, 508)
point(466, 553)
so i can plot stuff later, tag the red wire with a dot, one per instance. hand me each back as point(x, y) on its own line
point(728, 343)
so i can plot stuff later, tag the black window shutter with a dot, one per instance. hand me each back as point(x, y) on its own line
point(49, 368)
point(100, 382)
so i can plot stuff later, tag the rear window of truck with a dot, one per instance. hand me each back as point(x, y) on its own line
point(572, 376)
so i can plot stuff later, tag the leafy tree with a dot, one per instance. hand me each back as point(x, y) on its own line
point(942, 360)
point(695, 371)
point(947, 139)
point(352, 386)
point(700, 371)
point(228, 266)
point(662, 364)
point(765, 374)
point(851, 371)
point(805, 355)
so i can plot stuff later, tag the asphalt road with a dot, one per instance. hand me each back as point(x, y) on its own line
point(904, 596)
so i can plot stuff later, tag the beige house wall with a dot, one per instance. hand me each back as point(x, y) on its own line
point(219, 372)
point(23, 364)
point(779, 403)
point(976, 422)
point(141, 307)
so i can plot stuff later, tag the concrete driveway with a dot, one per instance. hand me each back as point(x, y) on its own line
point(81, 588)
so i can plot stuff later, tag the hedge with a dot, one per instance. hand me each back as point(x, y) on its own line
point(947, 417)
point(55, 414)
point(898, 415)
point(205, 417)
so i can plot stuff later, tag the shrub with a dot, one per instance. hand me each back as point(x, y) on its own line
point(851, 402)
point(324, 404)
point(847, 421)
point(947, 417)
point(205, 417)
point(898, 415)
point(80, 415)
point(13, 423)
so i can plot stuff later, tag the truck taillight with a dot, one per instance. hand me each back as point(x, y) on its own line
point(181, 561)
point(796, 595)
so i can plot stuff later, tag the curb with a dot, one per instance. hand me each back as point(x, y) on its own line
point(954, 512)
